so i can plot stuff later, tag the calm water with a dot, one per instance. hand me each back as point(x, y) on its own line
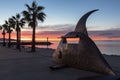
point(109, 47)
point(106, 47)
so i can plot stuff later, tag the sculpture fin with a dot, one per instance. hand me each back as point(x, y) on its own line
point(81, 25)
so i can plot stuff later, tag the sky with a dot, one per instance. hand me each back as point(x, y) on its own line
point(63, 15)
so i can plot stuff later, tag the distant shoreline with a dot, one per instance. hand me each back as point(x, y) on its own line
point(29, 43)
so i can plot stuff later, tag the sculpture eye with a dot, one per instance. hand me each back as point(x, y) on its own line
point(60, 55)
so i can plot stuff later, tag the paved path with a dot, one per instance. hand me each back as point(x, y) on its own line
point(15, 65)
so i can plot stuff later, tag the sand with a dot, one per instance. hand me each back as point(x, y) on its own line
point(15, 65)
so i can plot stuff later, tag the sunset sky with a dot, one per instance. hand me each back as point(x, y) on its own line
point(63, 15)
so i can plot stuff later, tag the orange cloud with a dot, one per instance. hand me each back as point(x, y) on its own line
point(53, 35)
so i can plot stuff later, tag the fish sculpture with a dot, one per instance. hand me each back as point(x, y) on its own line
point(85, 55)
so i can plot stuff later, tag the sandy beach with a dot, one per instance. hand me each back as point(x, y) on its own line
point(15, 65)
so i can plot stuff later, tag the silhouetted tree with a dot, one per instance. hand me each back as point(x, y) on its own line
point(3, 27)
point(3, 33)
point(19, 23)
point(9, 26)
point(32, 15)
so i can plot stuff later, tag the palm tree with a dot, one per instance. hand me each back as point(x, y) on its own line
point(3, 27)
point(19, 23)
point(9, 28)
point(32, 15)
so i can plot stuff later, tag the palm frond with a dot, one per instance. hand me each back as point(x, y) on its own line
point(18, 16)
point(11, 23)
point(34, 5)
point(5, 26)
point(9, 31)
point(6, 22)
point(21, 25)
point(31, 24)
point(22, 22)
point(41, 16)
point(14, 17)
point(39, 8)
point(26, 15)
point(10, 20)
point(28, 7)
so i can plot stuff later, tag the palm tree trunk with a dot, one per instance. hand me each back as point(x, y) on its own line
point(4, 40)
point(33, 40)
point(9, 32)
point(9, 43)
point(33, 49)
point(4, 44)
point(19, 40)
point(17, 45)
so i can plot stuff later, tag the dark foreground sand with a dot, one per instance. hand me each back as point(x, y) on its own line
point(15, 65)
